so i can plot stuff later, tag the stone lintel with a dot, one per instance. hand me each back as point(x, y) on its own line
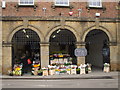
point(57, 18)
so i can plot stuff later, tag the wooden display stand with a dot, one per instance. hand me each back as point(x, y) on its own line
point(73, 71)
point(45, 72)
point(35, 70)
point(68, 72)
point(82, 70)
point(52, 72)
point(107, 69)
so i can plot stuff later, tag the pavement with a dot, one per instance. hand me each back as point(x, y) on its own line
point(92, 75)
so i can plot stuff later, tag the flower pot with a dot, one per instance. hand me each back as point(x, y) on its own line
point(11, 74)
point(86, 72)
point(78, 72)
point(57, 72)
point(40, 74)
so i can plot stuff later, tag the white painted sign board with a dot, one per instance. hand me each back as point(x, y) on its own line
point(80, 52)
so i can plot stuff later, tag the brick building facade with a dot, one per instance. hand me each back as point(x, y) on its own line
point(88, 25)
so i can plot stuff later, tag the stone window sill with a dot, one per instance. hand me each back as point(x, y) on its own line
point(101, 8)
point(53, 6)
point(18, 6)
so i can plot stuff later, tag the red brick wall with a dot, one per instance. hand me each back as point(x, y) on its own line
point(110, 11)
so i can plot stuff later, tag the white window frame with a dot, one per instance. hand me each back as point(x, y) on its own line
point(25, 4)
point(56, 4)
point(93, 3)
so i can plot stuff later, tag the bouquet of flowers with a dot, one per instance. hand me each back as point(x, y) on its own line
point(106, 65)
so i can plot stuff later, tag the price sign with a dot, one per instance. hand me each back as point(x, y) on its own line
point(80, 52)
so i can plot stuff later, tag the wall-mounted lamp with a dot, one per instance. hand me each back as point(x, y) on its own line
point(54, 36)
point(79, 12)
point(27, 36)
point(24, 30)
point(44, 10)
point(58, 31)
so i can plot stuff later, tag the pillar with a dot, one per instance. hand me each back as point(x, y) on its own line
point(113, 57)
point(44, 55)
point(0, 47)
point(6, 58)
point(80, 60)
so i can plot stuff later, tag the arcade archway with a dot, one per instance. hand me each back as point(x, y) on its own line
point(62, 43)
point(25, 43)
point(97, 45)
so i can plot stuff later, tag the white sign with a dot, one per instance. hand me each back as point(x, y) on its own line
point(80, 52)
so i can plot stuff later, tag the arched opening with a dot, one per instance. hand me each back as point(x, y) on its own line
point(98, 49)
point(25, 45)
point(62, 46)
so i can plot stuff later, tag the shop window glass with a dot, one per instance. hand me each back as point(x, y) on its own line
point(62, 2)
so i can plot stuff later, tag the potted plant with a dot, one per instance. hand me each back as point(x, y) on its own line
point(57, 71)
point(45, 71)
point(68, 70)
point(78, 70)
point(106, 67)
point(40, 72)
point(86, 69)
point(64, 71)
point(67, 64)
point(10, 73)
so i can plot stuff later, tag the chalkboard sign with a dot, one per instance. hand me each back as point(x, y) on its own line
point(80, 52)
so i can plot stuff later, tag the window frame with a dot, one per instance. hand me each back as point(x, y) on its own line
point(26, 4)
point(61, 4)
point(95, 6)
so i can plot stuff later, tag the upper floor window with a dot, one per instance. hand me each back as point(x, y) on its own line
point(26, 2)
point(62, 2)
point(95, 3)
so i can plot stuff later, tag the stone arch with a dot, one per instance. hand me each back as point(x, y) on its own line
point(41, 36)
point(93, 28)
point(49, 33)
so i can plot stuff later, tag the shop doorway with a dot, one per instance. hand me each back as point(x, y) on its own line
point(62, 46)
point(97, 45)
point(25, 45)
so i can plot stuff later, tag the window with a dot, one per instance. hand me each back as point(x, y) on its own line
point(62, 2)
point(95, 3)
point(26, 2)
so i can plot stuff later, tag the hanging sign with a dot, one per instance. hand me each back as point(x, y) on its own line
point(80, 52)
